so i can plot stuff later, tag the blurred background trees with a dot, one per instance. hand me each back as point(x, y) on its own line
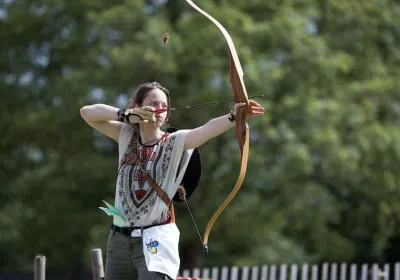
point(322, 181)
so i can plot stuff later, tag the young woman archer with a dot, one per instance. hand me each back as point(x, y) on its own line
point(145, 245)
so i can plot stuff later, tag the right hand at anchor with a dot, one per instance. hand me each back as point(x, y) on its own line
point(143, 114)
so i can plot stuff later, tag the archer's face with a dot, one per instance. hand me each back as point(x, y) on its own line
point(156, 98)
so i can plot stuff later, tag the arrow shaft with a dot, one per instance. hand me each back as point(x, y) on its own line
point(157, 111)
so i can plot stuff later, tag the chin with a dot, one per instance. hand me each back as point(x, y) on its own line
point(159, 123)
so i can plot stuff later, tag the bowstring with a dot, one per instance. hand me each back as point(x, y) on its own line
point(194, 222)
point(165, 39)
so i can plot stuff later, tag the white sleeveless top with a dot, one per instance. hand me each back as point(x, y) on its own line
point(166, 162)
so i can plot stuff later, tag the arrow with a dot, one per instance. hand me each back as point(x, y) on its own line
point(160, 110)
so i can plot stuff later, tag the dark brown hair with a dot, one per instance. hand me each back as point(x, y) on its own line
point(143, 90)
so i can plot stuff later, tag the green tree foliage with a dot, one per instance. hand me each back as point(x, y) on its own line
point(322, 181)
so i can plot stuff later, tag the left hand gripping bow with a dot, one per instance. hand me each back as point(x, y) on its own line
point(242, 128)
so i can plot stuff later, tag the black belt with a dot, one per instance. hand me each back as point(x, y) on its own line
point(128, 230)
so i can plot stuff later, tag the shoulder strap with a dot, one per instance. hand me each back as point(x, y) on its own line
point(155, 187)
point(161, 193)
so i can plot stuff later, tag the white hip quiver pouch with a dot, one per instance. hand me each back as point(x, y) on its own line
point(160, 248)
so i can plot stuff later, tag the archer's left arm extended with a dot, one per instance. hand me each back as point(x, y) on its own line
point(214, 127)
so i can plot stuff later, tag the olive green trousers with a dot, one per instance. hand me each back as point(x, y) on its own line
point(125, 259)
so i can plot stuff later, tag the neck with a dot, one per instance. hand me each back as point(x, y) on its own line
point(149, 134)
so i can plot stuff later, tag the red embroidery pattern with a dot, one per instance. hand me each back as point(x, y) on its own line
point(140, 190)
